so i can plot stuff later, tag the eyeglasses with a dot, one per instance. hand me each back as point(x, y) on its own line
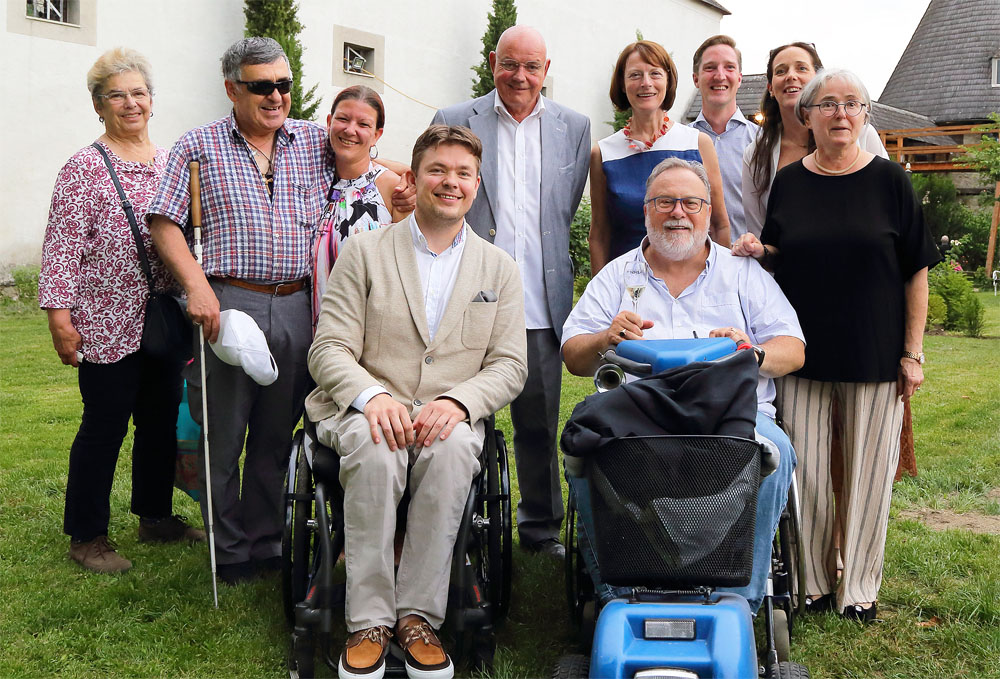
point(829, 108)
point(532, 67)
point(665, 204)
point(263, 88)
point(139, 96)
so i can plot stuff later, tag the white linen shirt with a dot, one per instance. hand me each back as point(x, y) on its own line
point(720, 297)
point(519, 217)
point(438, 273)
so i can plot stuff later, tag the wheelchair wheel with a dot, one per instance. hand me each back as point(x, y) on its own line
point(782, 634)
point(499, 557)
point(788, 670)
point(572, 667)
point(580, 596)
point(791, 553)
point(302, 658)
point(296, 538)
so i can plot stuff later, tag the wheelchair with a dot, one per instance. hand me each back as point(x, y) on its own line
point(314, 587)
point(671, 619)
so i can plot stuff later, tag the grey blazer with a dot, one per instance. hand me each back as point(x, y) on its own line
point(565, 164)
point(373, 329)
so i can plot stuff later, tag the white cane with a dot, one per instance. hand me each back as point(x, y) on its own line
point(195, 187)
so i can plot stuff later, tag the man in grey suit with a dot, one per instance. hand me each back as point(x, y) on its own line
point(531, 145)
point(420, 337)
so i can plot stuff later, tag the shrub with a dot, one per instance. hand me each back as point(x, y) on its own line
point(972, 316)
point(954, 288)
point(579, 240)
point(26, 283)
point(937, 311)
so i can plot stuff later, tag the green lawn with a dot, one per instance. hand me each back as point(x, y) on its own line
point(157, 620)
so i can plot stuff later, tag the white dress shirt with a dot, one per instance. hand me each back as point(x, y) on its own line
point(518, 218)
point(438, 273)
point(722, 296)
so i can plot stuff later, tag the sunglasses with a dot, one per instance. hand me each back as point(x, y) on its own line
point(264, 88)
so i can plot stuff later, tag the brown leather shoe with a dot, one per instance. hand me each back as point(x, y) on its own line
point(99, 555)
point(425, 657)
point(169, 529)
point(364, 654)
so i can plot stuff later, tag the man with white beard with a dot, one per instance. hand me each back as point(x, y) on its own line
point(694, 288)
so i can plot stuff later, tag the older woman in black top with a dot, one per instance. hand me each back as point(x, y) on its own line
point(845, 237)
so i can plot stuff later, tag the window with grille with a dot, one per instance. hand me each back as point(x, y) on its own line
point(59, 11)
point(359, 60)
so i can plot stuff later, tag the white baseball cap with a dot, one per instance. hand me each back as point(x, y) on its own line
point(241, 343)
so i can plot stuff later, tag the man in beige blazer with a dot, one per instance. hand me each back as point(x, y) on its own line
point(420, 336)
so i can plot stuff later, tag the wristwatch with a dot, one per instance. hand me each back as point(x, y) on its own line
point(760, 354)
point(918, 357)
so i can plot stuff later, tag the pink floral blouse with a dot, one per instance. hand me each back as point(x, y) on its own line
point(89, 261)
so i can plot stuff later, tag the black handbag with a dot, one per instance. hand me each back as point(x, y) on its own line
point(167, 331)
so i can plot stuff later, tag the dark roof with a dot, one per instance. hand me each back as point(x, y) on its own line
point(886, 117)
point(715, 5)
point(945, 71)
point(747, 97)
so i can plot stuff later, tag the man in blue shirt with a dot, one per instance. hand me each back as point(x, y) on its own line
point(718, 68)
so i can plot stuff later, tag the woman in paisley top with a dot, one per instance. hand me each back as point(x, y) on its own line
point(94, 291)
point(361, 196)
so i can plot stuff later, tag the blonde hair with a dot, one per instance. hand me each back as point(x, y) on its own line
point(114, 62)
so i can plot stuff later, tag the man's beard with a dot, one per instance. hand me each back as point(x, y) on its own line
point(675, 245)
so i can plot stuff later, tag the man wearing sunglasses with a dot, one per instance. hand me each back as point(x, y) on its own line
point(531, 145)
point(263, 183)
point(694, 288)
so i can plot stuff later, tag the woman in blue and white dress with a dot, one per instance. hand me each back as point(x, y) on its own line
point(645, 81)
point(360, 198)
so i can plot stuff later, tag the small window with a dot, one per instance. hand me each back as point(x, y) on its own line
point(359, 60)
point(995, 71)
point(59, 11)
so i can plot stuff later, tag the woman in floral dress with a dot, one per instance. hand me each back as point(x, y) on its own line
point(94, 291)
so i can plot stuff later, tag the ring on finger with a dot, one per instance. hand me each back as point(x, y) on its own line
point(621, 333)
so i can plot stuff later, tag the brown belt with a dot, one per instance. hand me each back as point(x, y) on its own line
point(274, 289)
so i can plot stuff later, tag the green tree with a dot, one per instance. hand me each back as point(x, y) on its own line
point(278, 19)
point(503, 16)
point(985, 156)
point(943, 213)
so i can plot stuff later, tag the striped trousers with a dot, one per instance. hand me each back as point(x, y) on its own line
point(871, 420)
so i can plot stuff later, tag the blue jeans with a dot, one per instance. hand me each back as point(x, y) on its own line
point(771, 500)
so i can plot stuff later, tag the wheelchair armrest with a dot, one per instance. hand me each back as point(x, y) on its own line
point(770, 456)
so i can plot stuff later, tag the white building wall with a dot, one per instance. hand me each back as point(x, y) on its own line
point(430, 46)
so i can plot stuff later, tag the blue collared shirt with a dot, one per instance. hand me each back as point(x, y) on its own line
point(730, 291)
point(729, 148)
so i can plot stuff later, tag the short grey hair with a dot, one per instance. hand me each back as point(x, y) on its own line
point(811, 91)
point(115, 62)
point(670, 164)
point(249, 52)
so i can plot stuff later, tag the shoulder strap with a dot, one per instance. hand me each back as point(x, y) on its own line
point(130, 214)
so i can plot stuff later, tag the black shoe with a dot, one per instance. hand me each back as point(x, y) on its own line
point(820, 604)
point(169, 529)
point(549, 547)
point(234, 573)
point(862, 615)
point(262, 568)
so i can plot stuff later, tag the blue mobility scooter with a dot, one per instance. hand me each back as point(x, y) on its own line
point(670, 519)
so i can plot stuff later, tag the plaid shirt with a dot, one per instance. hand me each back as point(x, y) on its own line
point(245, 233)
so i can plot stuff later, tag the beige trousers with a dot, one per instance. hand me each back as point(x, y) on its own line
point(373, 478)
point(872, 416)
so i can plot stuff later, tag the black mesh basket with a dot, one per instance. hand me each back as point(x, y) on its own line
point(675, 511)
